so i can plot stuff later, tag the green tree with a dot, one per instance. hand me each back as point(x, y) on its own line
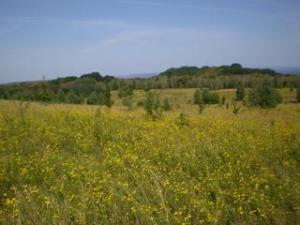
point(199, 100)
point(107, 98)
point(93, 99)
point(73, 98)
point(264, 95)
point(240, 91)
point(198, 96)
point(152, 105)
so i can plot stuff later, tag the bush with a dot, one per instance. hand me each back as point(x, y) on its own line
point(152, 105)
point(204, 96)
point(240, 91)
point(198, 97)
point(127, 101)
point(210, 98)
point(93, 99)
point(125, 91)
point(107, 98)
point(166, 105)
point(264, 95)
point(73, 98)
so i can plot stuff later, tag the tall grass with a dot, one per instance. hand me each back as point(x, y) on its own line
point(86, 165)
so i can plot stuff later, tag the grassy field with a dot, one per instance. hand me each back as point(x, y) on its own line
point(184, 97)
point(68, 164)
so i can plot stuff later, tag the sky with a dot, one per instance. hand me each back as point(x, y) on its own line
point(55, 38)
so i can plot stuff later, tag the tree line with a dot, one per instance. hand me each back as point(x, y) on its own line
point(93, 88)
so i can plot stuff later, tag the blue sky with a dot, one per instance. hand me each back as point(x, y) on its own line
point(54, 38)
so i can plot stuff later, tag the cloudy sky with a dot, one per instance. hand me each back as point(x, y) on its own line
point(54, 38)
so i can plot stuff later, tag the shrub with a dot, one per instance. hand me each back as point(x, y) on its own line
point(127, 101)
point(73, 98)
point(198, 97)
point(240, 91)
point(152, 105)
point(125, 91)
point(264, 95)
point(204, 96)
point(210, 98)
point(166, 105)
point(107, 98)
point(93, 99)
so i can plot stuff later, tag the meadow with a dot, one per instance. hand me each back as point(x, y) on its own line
point(76, 164)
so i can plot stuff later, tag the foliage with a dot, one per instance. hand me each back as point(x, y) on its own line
point(125, 91)
point(95, 99)
point(234, 69)
point(94, 76)
point(127, 101)
point(240, 91)
point(107, 98)
point(152, 105)
point(73, 98)
point(210, 98)
point(198, 97)
point(204, 96)
point(166, 105)
point(264, 95)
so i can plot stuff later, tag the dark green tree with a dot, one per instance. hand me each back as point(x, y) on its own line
point(240, 91)
point(107, 97)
